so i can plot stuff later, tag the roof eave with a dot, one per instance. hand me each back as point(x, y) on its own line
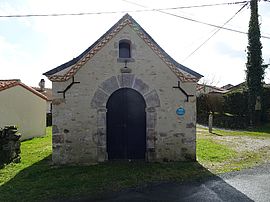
point(194, 76)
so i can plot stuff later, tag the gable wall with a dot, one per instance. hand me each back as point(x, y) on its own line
point(76, 120)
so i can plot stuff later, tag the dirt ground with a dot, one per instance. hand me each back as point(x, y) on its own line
point(239, 143)
point(251, 150)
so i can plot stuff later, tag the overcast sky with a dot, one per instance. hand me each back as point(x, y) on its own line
point(32, 46)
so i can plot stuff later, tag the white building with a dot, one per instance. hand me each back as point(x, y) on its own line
point(24, 107)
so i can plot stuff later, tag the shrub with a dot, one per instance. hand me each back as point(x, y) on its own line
point(236, 103)
point(230, 121)
point(210, 102)
point(9, 145)
point(266, 105)
point(232, 110)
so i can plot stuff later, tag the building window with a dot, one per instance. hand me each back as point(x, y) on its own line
point(124, 49)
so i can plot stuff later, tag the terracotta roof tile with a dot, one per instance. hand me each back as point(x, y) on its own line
point(104, 39)
point(6, 84)
point(47, 92)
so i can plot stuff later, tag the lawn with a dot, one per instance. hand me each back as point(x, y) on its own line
point(262, 132)
point(35, 179)
point(213, 152)
point(231, 150)
point(32, 151)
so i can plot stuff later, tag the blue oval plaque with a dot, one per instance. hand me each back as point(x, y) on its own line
point(180, 111)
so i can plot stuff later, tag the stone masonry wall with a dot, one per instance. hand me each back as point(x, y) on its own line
point(79, 119)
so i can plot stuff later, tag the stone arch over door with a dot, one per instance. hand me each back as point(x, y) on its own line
point(100, 98)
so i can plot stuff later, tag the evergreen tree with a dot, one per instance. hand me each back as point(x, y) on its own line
point(255, 70)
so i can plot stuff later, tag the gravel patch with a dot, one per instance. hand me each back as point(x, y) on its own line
point(238, 143)
point(243, 143)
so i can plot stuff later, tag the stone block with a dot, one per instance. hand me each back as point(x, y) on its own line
point(190, 157)
point(150, 109)
point(126, 80)
point(110, 85)
point(140, 86)
point(57, 139)
point(55, 129)
point(151, 138)
point(179, 135)
point(151, 133)
point(152, 99)
point(150, 143)
point(184, 150)
point(102, 154)
point(55, 157)
point(151, 118)
point(163, 134)
point(56, 147)
point(66, 131)
point(101, 137)
point(151, 155)
point(58, 101)
point(188, 141)
point(101, 118)
point(190, 125)
point(99, 100)
point(68, 141)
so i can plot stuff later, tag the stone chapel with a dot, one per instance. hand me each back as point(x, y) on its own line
point(123, 98)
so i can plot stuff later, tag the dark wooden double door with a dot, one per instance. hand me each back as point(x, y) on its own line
point(126, 125)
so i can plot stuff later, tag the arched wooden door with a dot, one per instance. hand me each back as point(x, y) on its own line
point(126, 125)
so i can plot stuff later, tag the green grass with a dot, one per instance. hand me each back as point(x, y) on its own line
point(42, 181)
point(221, 156)
point(210, 151)
point(35, 179)
point(263, 131)
point(32, 151)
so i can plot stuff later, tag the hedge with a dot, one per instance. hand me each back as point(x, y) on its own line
point(231, 109)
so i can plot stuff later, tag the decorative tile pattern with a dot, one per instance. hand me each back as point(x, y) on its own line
point(126, 20)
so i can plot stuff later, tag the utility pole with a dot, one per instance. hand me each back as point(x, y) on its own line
point(255, 70)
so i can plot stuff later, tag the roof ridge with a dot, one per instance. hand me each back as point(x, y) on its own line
point(15, 82)
point(18, 80)
point(76, 59)
point(80, 60)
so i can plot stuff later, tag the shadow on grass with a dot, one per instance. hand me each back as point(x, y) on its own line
point(118, 181)
point(217, 134)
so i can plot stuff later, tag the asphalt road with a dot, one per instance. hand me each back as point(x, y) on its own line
point(254, 183)
point(246, 185)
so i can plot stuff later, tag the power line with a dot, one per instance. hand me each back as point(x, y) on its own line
point(194, 6)
point(194, 20)
point(145, 10)
point(113, 12)
point(209, 24)
point(217, 30)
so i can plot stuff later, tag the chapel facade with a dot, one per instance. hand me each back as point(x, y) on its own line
point(123, 98)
